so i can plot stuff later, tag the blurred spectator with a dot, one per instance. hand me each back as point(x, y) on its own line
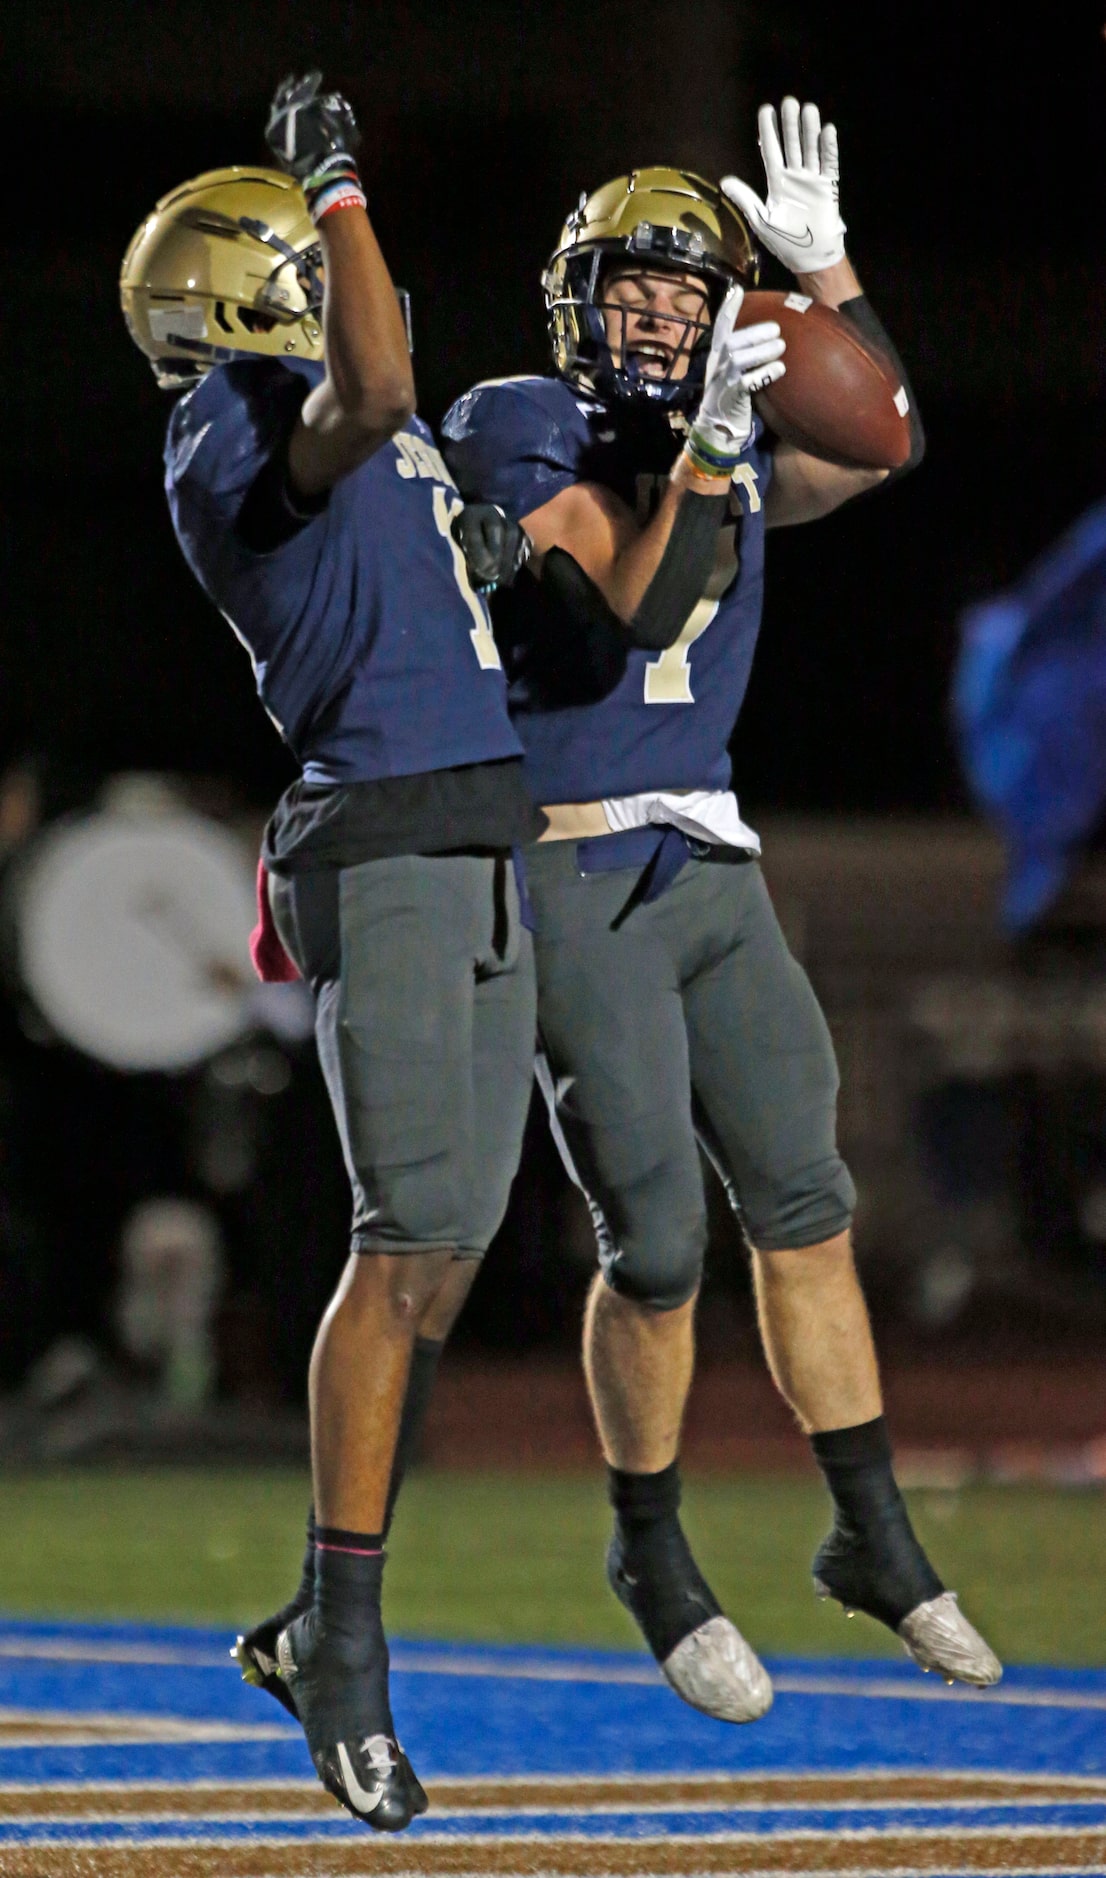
point(1030, 707)
point(1029, 703)
point(173, 1269)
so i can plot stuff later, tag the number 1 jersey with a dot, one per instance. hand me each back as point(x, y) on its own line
point(371, 651)
point(597, 717)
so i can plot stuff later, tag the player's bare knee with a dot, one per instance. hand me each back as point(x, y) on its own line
point(387, 1281)
point(413, 1281)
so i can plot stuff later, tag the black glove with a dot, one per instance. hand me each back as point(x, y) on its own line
point(494, 547)
point(313, 137)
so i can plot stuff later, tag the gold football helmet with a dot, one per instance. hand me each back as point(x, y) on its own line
point(664, 218)
point(226, 267)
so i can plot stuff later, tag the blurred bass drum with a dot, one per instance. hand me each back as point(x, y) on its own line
point(131, 937)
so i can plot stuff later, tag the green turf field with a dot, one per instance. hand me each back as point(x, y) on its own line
point(520, 1557)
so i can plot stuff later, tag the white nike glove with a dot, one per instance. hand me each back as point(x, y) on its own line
point(800, 223)
point(739, 363)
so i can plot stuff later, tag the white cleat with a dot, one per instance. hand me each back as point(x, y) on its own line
point(714, 1670)
point(938, 1636)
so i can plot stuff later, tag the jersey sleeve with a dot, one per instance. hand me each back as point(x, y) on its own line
point(226, 453)
point(508, 444)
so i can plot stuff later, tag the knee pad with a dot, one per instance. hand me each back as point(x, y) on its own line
point(657, 1261)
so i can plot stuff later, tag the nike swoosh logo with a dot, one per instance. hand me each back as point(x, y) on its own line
point(805, 240)
point(359, 1797)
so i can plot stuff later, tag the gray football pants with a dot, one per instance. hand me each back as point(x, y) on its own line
point(424, 995)
point(686, 1022)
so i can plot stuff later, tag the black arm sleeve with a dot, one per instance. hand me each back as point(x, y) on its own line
point(863, 317)
point(565, 579)
point(676, 587)
point(682, 573)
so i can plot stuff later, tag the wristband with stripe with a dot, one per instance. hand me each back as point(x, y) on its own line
point(341, 195)
point(708, 459)
point(336, 184)
point(686, 474)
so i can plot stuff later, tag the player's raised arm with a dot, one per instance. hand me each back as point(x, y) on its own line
point(799, 222)
point(369, 389)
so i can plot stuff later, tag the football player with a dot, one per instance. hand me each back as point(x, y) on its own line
point(314, 509)
point(671, 1012)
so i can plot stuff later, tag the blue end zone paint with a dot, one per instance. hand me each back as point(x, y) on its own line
point(496, 1721)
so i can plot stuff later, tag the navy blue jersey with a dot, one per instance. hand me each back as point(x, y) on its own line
point(372, 653)
point(611, 721)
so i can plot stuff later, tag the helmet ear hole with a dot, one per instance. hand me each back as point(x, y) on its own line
point(221, 317)
point(254, 322)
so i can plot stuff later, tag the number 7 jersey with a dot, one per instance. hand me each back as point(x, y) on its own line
point(371, 651)
point(597, 717)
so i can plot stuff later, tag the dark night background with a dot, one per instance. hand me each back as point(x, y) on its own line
point(974, 187)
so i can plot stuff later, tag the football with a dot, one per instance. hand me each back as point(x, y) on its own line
point(836, 399)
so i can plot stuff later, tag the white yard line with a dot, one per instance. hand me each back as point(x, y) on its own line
point(644, 1675)
point(858, 1835)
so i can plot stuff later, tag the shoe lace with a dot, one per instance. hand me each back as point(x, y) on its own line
point(380, 1750)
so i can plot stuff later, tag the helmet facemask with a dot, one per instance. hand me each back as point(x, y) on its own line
point(607, 358)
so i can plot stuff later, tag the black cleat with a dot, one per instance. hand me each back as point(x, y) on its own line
point(343, 1707)
point(703, 1656)
point(256, 1656)
point(373, 1780)
point(886, 1574)
point(879, 1569)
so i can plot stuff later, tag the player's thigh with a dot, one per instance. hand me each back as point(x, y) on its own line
point(612, 1030)
point(765, 1075)
point(395, 1033)
point(503, 1044)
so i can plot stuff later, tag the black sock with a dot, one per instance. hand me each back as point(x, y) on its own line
point(342, 1659)
point(350, 1544)
point(872, 1558)
point(857, 1466)
point(640, 1500)
point(349, 1569)
point(416, 1401)
point(650, 1566)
